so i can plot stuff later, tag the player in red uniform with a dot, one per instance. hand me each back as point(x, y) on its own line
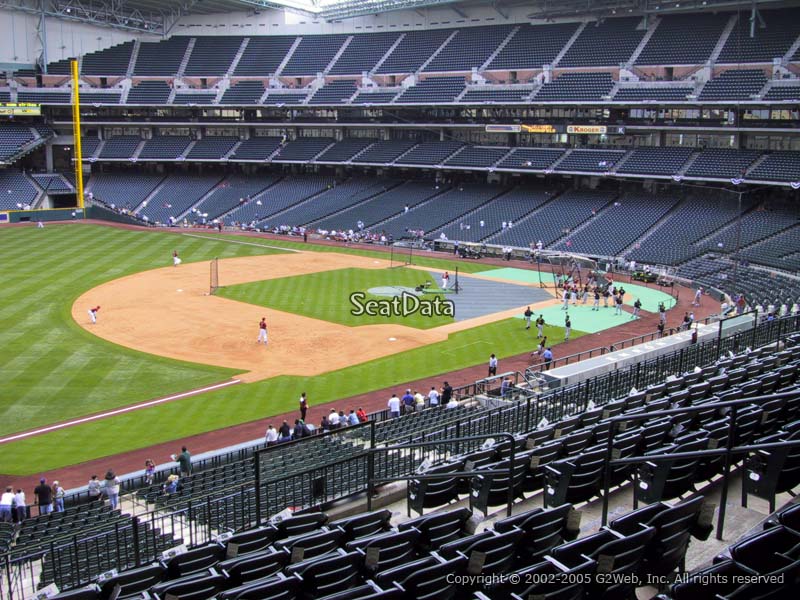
point(262, 331)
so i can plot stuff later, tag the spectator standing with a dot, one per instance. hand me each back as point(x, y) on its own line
point(184, 459)
point(362, 415)
point(548, 358)
point(492, 365)
point(419, 401)
point(352, 418)
point(44, 497)
point(505, 387)
point(408, 402)
point(394, 406)
point(271, 436)
point(94, 489)
point(303, 406)
point(58, 493)
point(285, 432)
point(447, 393)
point(333, 419)
point(661, 329)
point(149, 471)
point(111, 487)
point(433, 397)
point(21, 506)
point(6, 502)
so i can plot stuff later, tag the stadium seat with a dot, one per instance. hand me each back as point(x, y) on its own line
point(252, 566)
point(614, 554)
point(367, 524)
point(544, 529)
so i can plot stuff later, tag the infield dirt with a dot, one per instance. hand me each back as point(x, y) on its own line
point(169, 312)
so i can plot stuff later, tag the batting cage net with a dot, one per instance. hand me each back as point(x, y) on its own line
point(401, 253)
point(214, 285)
point(564, 266)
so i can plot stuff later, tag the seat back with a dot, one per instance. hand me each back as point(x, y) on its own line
point(398, 574)
point(439, 529)
point(387, 549)
point(674, 527)
point(367, 591)
point(364, 525)
point(273, 588)
point(498, 551)
point(133, 581)
point(544, 529)
point(493, 489)
point(428, 493)
point(194, 561)
point(721, 576)
point(327, 575)
point(256, 565)
point(311, 545)
point(299, 524)
point(548, 580)
point(86, 593)
point(430, 580)
point(255, 540)
point(192, 587)
point(758, 552)
point(575, 480)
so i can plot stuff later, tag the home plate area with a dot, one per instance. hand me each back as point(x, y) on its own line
point(478, 297)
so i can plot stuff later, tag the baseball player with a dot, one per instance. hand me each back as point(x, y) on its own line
point(93, 313)
point(175, 260)
point(528, 314)
point(567, 328)
point(262, 331)
point(445, 280)
point(540, 326)
point(697, 295)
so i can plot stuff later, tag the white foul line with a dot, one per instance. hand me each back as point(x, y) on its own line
point(210, 237)
point(117, 411)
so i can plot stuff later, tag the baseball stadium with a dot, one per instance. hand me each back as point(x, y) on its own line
point(400, 299)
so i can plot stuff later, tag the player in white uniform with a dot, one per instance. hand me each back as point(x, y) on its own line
point(262, 331)
point(175, 260)
point(93, 313)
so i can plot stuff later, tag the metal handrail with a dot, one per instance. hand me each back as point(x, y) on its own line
point(372, 480)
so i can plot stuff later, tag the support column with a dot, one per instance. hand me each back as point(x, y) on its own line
point(41, 35)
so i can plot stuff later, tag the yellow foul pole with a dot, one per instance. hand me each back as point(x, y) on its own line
point(76, 132)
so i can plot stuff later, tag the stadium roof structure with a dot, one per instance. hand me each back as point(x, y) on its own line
point(159, 16)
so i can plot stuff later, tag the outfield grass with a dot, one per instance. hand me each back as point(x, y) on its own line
point(54, 370)
point(419, 258)
point(248, 402)
point(326, 295)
